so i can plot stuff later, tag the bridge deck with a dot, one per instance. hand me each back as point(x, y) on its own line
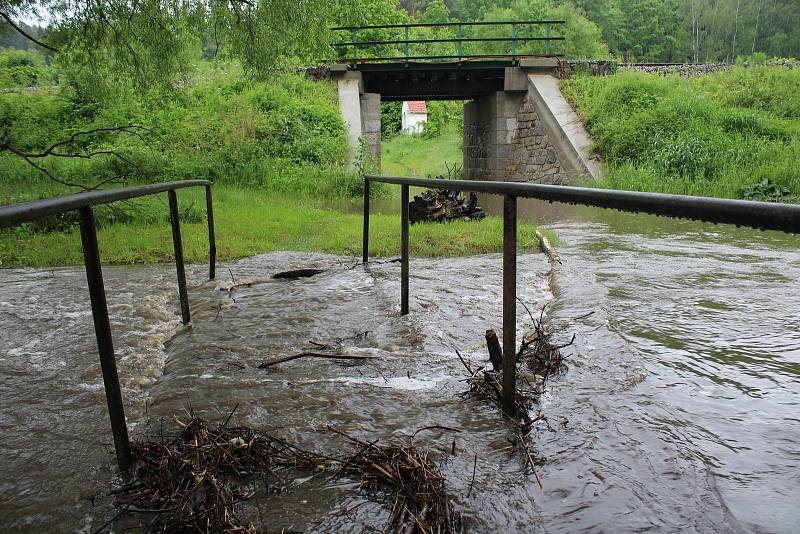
point(434, 81)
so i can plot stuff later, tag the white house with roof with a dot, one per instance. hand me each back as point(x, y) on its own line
point(414, 116)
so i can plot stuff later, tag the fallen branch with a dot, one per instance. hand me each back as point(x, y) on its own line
point(314, 355)
point(524, 446)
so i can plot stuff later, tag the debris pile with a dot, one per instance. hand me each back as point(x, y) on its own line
point(194, 480)
point(540, 358)
point(538, 354)
point(439, 205)
point(421, 502)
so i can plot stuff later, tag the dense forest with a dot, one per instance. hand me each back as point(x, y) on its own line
point(630, 30)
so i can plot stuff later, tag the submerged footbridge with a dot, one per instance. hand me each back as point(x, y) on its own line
point(517, 125)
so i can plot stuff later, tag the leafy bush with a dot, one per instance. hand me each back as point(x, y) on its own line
point(443, 114)
point(391, 118)
point(734, 133)
point(765, 189)
point(22, 68)
point(285, 134)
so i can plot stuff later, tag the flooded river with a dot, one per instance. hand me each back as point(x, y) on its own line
point(680, 409)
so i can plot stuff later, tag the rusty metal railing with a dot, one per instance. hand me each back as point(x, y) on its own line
point(761, 215)
point(16, 214)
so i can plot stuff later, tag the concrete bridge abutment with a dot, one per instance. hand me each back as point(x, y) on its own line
point(361, 113)
point(527, 132)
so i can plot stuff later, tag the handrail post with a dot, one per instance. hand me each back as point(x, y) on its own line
point(406, 47)
point(404, 250)
point(365, 244)
point(509, 303)
point(212, 242)
point(355, 46)
point(460, 43)
point(547, 41)
point(177, 244)
point(105, 345)
point(513, 42)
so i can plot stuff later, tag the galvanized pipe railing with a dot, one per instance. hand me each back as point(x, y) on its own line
point(514, 39)
point(16, 214)
point(761, 215)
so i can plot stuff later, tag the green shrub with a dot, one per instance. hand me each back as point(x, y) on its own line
point(735, 133)
point(22, 68)
point(441, 115)
point(765, 189)
point(285, 134)
point(391, 118)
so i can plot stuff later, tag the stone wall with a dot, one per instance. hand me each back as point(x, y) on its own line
point(489, 127)
point(505, 140)
point(371, 127)
point(476, 141)
point(532, 156)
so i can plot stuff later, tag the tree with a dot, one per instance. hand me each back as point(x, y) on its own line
point(106, 47)
point(152, 42)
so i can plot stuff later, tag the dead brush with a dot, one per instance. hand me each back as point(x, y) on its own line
point(542, 358)
point(414, 483)
point(193, 481)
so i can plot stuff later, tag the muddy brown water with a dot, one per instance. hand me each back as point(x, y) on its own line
point(680, 409)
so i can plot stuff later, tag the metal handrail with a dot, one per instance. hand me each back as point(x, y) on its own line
point(439, 24)
point(456, 40)
point(761, 215)
point(459, 40)
point(16, 214)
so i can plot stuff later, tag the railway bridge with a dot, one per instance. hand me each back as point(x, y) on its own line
point(517, 125)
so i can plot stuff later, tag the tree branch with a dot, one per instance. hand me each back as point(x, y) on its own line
point(29, 157)
point(26, 34)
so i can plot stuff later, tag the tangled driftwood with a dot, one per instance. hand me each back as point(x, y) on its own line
point(439, 205)
point(192, 481)
point(541, 358)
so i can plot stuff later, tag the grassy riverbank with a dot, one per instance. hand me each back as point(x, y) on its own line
point(251, 222)
point(414, 155)
point(732, 134)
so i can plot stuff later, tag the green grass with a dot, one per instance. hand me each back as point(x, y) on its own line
point(732, 134)
point(407, 155)
point(250, 222)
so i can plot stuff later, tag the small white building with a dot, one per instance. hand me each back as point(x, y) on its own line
point(414, 116)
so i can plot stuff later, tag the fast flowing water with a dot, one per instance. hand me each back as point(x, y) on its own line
point(680, 408)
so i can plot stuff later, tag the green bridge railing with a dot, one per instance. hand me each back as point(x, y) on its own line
point(452, 41)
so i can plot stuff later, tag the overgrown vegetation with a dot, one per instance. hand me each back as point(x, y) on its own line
point(732, 134)
point(437, 151)
point(283, 135)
